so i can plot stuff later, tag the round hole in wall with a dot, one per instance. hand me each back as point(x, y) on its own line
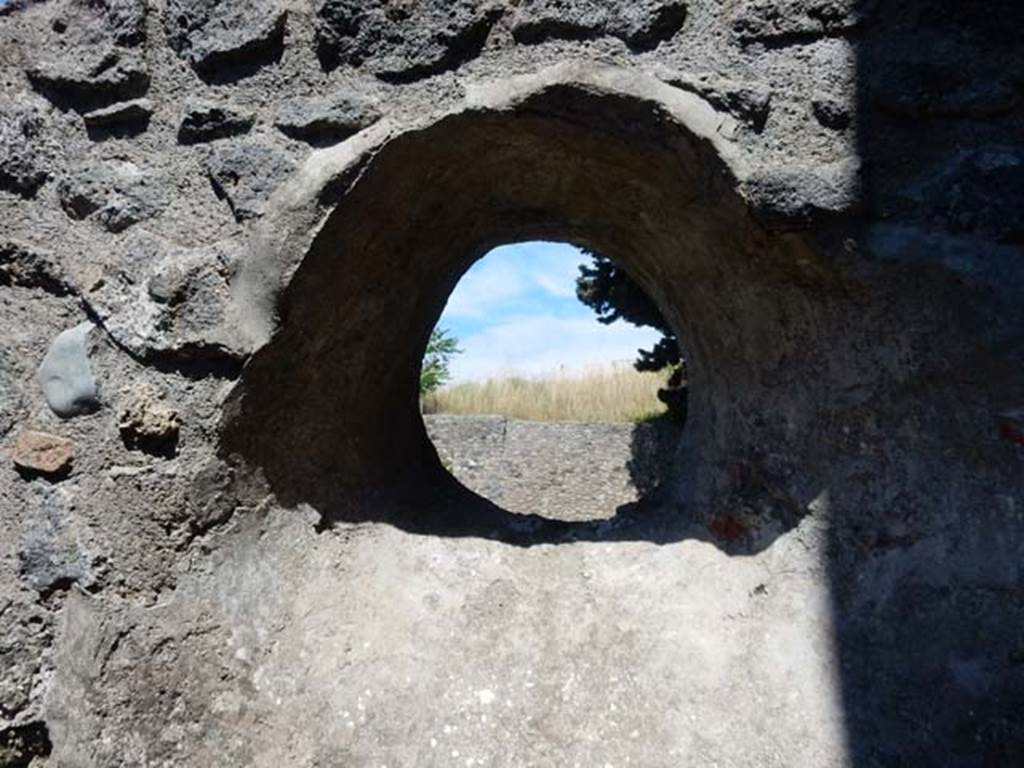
point(552, 385)
point(356, 257)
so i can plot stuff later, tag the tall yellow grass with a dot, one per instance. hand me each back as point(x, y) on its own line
point(609, 393)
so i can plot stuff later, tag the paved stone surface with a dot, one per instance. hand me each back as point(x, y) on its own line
point(564, 471)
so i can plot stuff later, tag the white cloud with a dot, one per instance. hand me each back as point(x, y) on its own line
point(511, 275)
point(544, 344)
point(557, 285)
point(515, 311)
point(486, 286)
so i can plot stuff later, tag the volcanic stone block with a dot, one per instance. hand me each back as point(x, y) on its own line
point(226, 40)
point(831, 112)
point(88, 22)
point(641, 25)
point(116, 194)
point(49, 554)
point(27, 631)
point(775, 21)
point(323, 121)
point(25, 159)
point(30, 267)
point(124, 116)
point(90, 80)
point(246, 175)
point(405, 41)
point(211, 495)
point(207, 122)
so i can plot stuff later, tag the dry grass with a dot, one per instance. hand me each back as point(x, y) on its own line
point(609, 393)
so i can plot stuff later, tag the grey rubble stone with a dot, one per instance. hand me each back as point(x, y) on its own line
point(82, 23)
point(90, 79)
point(322, 121)
point(403, 41)
point(27, 633)
point(981, 192)
point(945, 77)
point(748, 101)
point(211, 495)
point(30, 267)
point(126, 112)
point(165, 300)
point(796, 195)
point(831, 112)
point(25, 159)
point(126, 19)
point(87, 64)
point(644, 25)
point(641, 25)
point(49, 554)
point(206, 122)
point(917, 98)
point(780, 21)
point(222, 40)
point(246, 174)
point(117, 194)
point(66, 375)
point(538, 20)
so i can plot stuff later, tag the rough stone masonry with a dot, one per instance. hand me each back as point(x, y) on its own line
point(226, 230)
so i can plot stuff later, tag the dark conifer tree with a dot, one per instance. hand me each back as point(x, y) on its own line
point(614, 295)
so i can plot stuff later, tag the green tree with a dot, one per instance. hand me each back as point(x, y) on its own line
point(435, 371)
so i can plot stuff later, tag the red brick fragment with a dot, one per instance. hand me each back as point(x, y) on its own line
point(728, 528)
point(1011, 428)
point(43, 453)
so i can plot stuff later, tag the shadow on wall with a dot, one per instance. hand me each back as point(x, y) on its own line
point(747, 522)
point(653, 445)
point(446, 507)
point(926, 549)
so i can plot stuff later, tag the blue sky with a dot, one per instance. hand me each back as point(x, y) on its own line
point(516, 310)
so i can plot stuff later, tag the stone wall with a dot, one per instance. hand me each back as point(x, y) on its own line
point(226, 230)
